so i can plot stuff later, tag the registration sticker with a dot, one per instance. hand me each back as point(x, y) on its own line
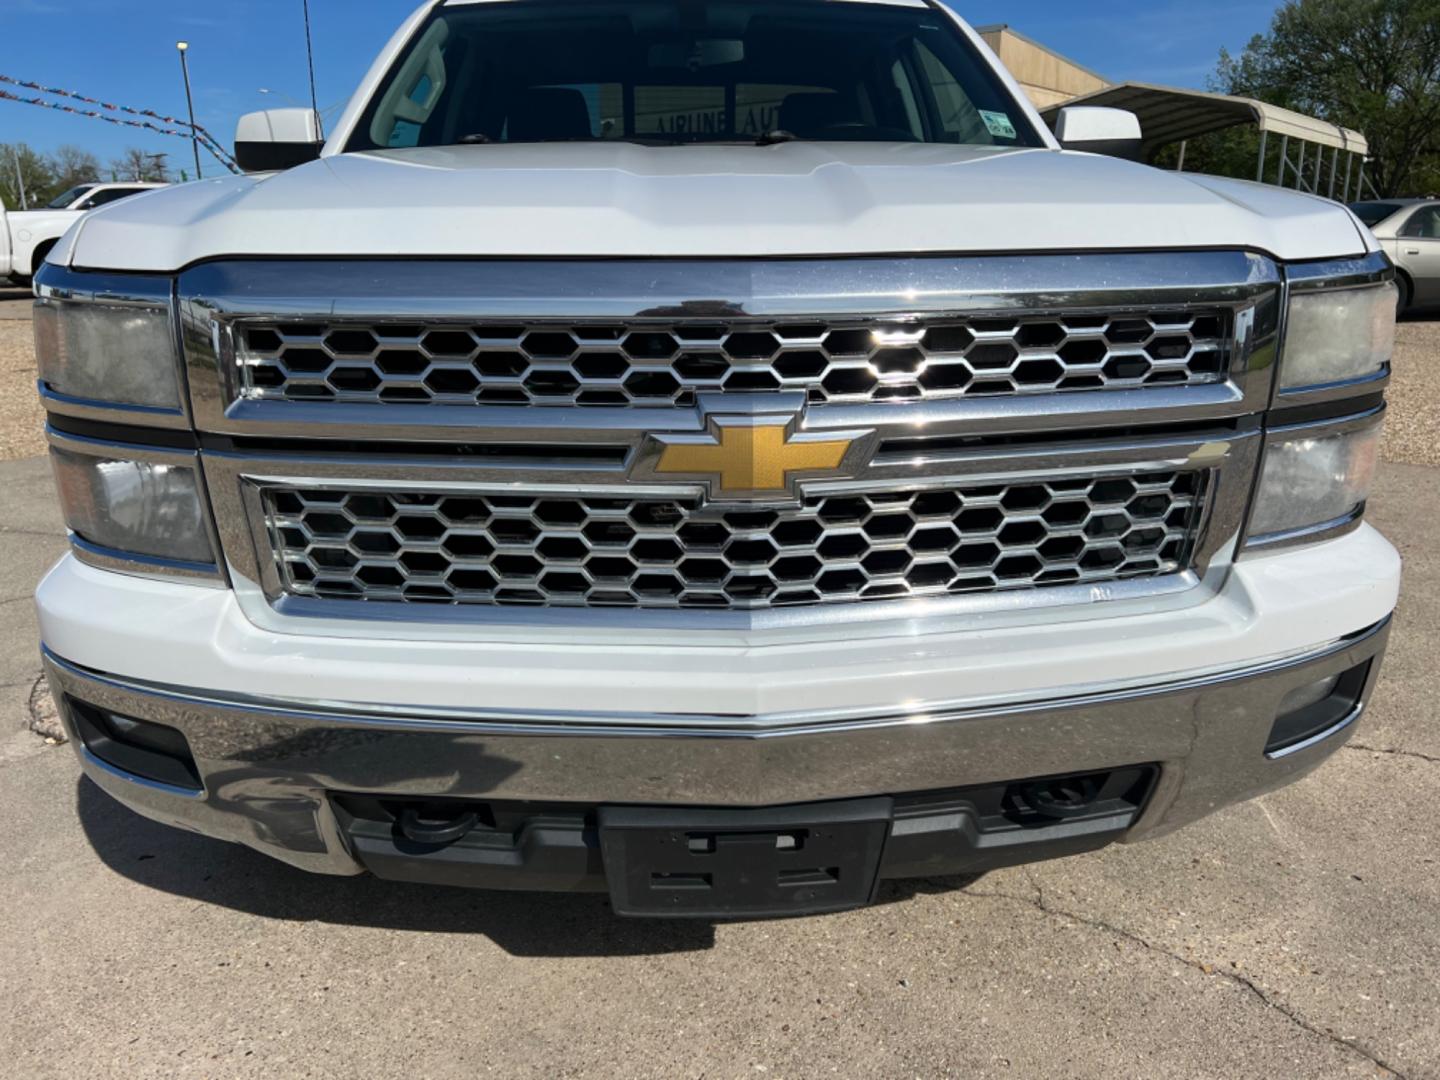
point(998, 124)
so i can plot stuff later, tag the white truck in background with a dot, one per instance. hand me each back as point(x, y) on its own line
point(26, 236)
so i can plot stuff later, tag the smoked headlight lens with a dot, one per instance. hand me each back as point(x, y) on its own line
point(110, 341)
point(137, 507)
point(1338, 336)
point(1314, 479)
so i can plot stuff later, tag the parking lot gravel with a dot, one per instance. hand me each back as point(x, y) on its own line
point(1412, 424)
point(22, 421)
point(15, 300)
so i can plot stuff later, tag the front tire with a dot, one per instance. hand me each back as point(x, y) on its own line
point(1407, 294)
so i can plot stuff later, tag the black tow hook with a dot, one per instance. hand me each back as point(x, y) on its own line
point(435, 826)
point(1065, 798)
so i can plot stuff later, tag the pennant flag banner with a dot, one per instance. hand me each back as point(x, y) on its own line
point(184, 129)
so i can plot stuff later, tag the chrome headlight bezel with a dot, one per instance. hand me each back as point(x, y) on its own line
point(1323, 429)
point(107, 347)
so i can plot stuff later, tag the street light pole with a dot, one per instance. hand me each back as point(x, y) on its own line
point(20, 179)
point(184, 47)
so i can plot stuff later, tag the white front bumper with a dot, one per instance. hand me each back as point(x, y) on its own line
point(1273, 606)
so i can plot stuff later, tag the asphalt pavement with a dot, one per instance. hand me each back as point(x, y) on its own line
point(1297, 935)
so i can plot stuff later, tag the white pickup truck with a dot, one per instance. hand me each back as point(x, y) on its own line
point(26, 236)
point(725, 454)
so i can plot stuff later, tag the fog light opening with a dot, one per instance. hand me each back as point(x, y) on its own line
point(146, 750)
point(1316, 710)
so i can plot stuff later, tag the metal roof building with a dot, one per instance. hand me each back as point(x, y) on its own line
point(1313, 155)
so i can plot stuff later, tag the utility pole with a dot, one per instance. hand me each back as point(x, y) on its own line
point(20, 179)
point(184, 47)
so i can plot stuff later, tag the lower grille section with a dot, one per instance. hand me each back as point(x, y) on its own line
point(606, 551)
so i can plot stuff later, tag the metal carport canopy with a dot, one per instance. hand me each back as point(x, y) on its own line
point(1169, 114)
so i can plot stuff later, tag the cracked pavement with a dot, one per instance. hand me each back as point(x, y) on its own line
point(1297, 935)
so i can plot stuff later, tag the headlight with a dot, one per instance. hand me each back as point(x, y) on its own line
point(107, 339)
point(146, 508)
point(1315, 479)
point(1338, 336)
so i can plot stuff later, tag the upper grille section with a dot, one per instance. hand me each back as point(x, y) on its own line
point(607, 551)
point(642, 362)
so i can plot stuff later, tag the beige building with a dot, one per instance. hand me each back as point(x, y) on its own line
point(1045, 75)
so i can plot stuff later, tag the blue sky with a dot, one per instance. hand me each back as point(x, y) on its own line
point(125, 52)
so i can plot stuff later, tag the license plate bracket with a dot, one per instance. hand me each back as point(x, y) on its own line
point(719, 864)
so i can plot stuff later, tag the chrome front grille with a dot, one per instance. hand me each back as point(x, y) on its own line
point(645, 362)
point(463, 547)
point(650, 444)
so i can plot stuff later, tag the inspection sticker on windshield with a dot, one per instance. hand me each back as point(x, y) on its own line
point(998, 124)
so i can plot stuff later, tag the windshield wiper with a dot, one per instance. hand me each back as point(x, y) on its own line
point(779, 135)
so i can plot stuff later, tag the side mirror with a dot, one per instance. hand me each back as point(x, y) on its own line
point(277, 139)
point(1096, 130)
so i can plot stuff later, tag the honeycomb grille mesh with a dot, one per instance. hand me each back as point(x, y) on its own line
point(465, 548)
point(666, 364)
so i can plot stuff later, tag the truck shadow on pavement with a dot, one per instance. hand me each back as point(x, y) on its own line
point(523, 924)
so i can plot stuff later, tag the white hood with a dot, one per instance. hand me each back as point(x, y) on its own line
point(622, 199)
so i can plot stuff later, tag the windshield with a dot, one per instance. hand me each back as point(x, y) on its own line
point(690, 71)
point(1372, 213)
point(60, 202)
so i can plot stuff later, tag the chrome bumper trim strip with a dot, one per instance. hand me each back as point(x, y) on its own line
point(689, 725)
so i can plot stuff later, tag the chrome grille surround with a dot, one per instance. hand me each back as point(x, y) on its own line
point(619, 551)
point(664, 364)
point(1015, 308)
point(1206, 430)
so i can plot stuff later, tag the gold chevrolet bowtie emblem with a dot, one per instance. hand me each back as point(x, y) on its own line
point(743, 459)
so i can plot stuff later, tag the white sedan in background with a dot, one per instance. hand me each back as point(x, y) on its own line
point(1409, 231)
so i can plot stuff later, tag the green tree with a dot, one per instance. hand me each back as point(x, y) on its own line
point(1371, 65)
point(39, 176)
point(140, 166)
point(73, 165)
